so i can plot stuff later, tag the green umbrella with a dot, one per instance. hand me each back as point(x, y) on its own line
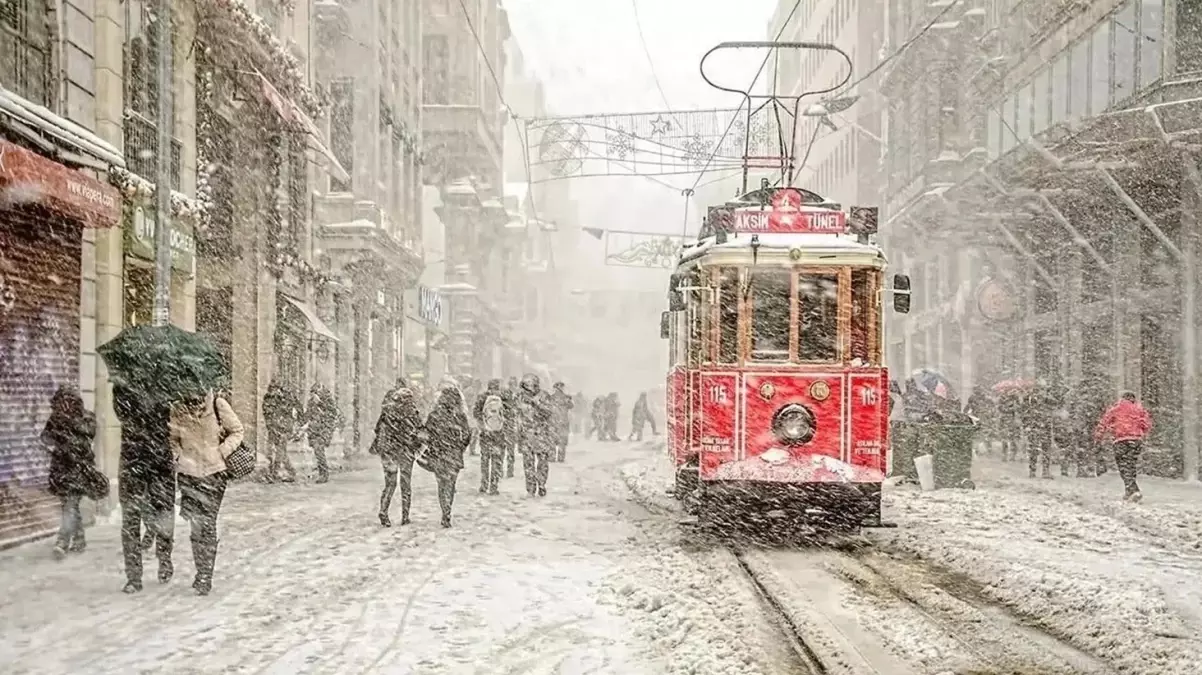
point(165, 363)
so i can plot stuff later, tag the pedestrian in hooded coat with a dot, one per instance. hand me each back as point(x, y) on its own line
point(1126, 424)
point(492, 412)
point(146, 483)
point(513, 431)
point(323, 417)
point(448, 435)
point(561, 421)
point(204, 431)
point(536, 435)
point(68, 436)
point(640, 416)
point(281, 411)
point(397, 441)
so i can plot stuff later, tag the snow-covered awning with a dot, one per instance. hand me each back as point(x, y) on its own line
point(67, 135)
point(292, 114)
point(315, 323)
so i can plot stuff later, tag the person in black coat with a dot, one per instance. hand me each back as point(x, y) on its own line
point(68, 436)
point(612, 409)
point(281, 412)
point(597, 420)
point(323, 418)
point(448, 435)
point(537, 435)
point(493, 413)
point(640, 416)
point(396, 442)
point(145, 482)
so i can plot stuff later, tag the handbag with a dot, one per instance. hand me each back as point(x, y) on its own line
point(242, 461)
point(95, 483)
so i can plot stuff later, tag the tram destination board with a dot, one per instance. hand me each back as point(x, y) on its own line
point(756, 221)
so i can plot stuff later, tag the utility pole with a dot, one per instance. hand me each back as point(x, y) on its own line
point(162, 220)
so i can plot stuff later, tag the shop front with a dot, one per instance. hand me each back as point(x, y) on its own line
point(139, 226)
point(41, 220)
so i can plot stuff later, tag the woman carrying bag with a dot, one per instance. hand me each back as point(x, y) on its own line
point(448, 435)
point(206, 440)
point(397, 442)
point(68, 436)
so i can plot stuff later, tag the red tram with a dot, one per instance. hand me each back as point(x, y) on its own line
point(778, 393)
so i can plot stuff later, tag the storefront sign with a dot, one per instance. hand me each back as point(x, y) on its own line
point(429, 305)
point(24, 174)
point(140, 233)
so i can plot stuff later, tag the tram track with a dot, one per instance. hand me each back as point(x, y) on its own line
point(793, 633)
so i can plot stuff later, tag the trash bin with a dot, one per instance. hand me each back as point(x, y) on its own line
point(950, 447)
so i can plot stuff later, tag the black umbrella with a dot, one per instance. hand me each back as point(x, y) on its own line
point(165, 363)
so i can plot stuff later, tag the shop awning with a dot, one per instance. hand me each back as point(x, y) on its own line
point(315, 324)
point(291, 113)
point(26, 175)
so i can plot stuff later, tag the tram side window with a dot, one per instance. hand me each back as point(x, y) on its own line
point(865, 336)
point(728, 315)
point(698, 319)
point(818, 296)
point(770, 295)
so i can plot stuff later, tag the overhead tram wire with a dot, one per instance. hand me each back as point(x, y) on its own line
point(905, 45)
point(638, 24)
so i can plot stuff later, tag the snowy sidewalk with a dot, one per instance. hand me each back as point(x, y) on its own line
point(308, 582)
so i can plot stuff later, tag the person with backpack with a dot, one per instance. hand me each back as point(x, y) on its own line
point(491, 413)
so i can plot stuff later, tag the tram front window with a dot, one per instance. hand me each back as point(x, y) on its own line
point(818, 297)
point(728, 315)
point(770, 294)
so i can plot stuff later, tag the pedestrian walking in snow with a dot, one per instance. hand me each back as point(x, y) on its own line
point(491, 412)
point(613, 409)
point(322, 418)
point(536, 435)
point(1010, 405)
point(597, 419)
point(513, 431)
point(281, 412)
point(146, 483)
point(561, 421)
point(68, 437)
point(1126, 424)
point(448, 435)
point(396, 442)
point(204, 432)
point(640, 416)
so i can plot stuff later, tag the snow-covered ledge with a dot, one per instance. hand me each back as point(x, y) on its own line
point(285, 62)
point(139, 192)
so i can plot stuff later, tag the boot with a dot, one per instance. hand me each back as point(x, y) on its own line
point(205, 561)
point(132, 587)
point(166, 571)
point(446, 520)
point(384, 520)
point(60, 552)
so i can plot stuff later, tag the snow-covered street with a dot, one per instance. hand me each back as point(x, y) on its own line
point(308, 582)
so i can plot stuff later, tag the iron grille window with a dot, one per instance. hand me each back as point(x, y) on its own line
point(342, 134)
point(25, 49)
point(142, 148)
point(142, 97)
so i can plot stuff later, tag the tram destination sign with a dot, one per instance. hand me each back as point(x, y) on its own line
point(757, 221)
point(786, 215)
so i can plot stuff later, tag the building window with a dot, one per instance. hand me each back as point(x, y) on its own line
point(1060, 89)
point(342, 128)
point(142, 96)
point(25, 50)
point(1041, 98)
point(436, 86)
point(1079, 80)
point(1151, 32)
point(1125, 63)
point(1100, 74)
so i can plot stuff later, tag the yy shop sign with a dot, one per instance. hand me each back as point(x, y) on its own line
point(140, 226)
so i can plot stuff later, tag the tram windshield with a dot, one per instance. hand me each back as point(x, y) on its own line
point(818, 300)
point(769, 294)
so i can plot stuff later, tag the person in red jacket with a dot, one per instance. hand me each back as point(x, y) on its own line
point(1126, 423)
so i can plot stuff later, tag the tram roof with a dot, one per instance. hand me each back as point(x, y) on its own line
point(812, 247)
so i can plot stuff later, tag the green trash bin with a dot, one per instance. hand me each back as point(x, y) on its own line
point(951, 449)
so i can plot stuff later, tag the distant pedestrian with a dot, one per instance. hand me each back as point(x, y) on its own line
point(322, 418)
point(68, 436)
point(597, 419)
point(204, 431)
point(281, 413)
point(491, 412)
point(613, 409)
point(1126, 423)
point(448, 435)
point(146, 483)
point(536, 435)
point(640, 416)
point(396, 442)
point(561, 421)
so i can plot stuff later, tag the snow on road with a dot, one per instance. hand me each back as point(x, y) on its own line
point(583, 581)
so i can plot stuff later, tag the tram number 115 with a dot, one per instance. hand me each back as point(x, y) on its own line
point(717, 393)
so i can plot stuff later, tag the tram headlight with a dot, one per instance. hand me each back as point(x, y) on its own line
point(793, 424)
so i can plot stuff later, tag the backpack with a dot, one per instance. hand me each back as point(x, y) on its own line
point(494, 411)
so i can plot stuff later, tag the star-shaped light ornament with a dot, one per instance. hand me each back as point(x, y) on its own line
point(660, 126)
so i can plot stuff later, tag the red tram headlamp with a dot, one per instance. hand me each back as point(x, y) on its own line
point(794, 424)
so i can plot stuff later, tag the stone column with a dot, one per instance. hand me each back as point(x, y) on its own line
point(1191, 202)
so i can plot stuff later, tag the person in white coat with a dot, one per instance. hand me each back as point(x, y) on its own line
point(204, 431)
